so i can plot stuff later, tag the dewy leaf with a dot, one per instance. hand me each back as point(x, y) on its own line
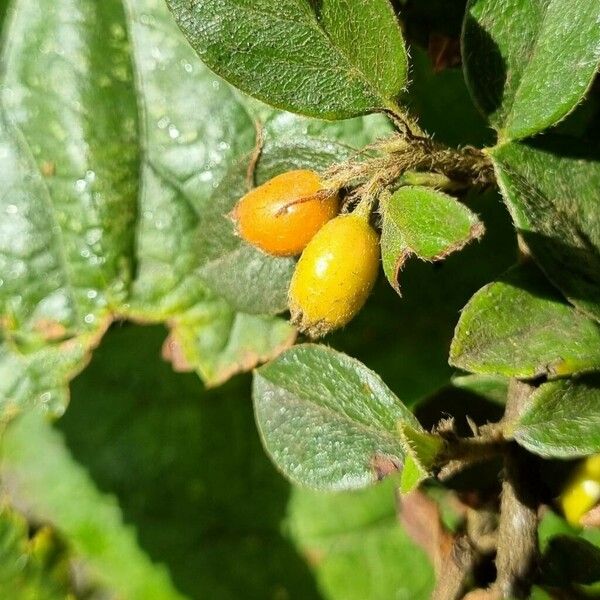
point(519, 326)
point(326, 420)
point(68, 180)
point(109, 182)
point(553, 197)
point(564, 420)
point(424, 222)
point(331, 59)
point(528, 64)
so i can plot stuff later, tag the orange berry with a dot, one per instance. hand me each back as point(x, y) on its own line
point(282, 215)
point(334, 275)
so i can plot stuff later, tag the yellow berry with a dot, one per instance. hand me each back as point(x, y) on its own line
point(582, 492)
point(334, 275)
point(282, 215)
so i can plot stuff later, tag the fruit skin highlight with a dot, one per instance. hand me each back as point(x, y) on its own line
point(334, 275)
point(282, 215)
point(582, 492)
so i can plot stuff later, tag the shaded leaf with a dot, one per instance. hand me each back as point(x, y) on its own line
point(553, 197)
point(568, 560)
point(528, 64)
point(424, 222)
point(563, 420)
point(214, 513)
point(47, 478)
point(519, 326)
point(344, 534)
point(329, 59)
point(326, 420)
point(441, 100)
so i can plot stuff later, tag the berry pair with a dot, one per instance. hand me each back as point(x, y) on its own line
point(293, 213)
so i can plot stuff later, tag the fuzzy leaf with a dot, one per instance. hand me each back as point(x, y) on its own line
point(553, 196)
point(519, 326)
point(332, 59)
point(422, 449)
point(326, 420)
point(529, 64)
point(424, 222)
point(563, 420)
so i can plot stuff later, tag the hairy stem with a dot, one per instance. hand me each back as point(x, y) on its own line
point(456, 568)
point(517, 554)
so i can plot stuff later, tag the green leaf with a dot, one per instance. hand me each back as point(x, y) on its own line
point(424, 222)
point(218, 342)
point(69, 187)
point(519, 326)
point(28, 570)
point(332, 59)
point(553, 194)
point(528, 64)
point(346, 533)
point(326, 420)
point(488, 387)
point(563, 420)
point(422, 450)
point(38, 379)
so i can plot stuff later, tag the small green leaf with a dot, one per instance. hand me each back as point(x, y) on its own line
point(563, 420)
point(331, 59)
point(528, 64)
point(326, 420)
point(519, 326)
point(553, 194)
point(424, 222)
point(421, 449)
point(490, 387)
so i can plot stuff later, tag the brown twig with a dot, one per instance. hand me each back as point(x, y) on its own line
point(517, 554)
point(455, 570)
